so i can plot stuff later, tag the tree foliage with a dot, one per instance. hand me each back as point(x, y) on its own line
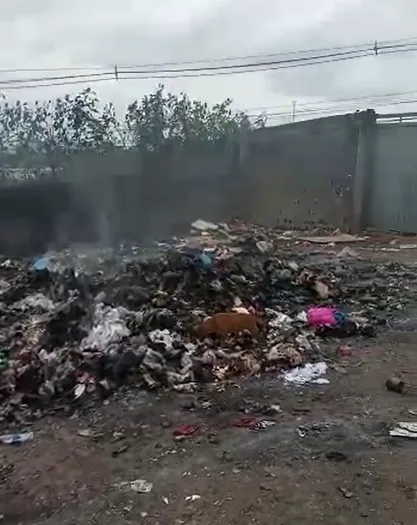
point(77, 123)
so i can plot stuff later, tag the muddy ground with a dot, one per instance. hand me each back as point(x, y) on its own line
point(327, 460)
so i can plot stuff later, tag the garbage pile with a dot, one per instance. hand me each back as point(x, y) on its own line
point(67, 334)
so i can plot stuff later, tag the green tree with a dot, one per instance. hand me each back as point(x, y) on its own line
point(77, 123)
point(164, 118)
point(65, 125)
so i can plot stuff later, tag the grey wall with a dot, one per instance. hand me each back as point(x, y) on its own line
point(391, 199)
point(296, 175)
point(301, 175)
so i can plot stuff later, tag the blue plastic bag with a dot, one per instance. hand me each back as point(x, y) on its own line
point(41, 263)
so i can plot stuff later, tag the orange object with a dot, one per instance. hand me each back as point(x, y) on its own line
point(224, 324)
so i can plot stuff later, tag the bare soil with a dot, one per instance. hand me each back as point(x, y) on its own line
point(327, 460)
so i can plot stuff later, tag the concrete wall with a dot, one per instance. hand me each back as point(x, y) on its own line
point(301, 175)
point(297, 175)
point(390, 202)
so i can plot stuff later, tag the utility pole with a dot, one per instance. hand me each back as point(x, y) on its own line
point(294, 103)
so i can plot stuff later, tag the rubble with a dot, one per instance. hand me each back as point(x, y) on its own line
point(75, 328)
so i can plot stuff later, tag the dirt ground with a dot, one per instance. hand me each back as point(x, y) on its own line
point(328, 459)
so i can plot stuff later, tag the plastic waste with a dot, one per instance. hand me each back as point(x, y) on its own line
point(309, 373)
point(202, 225)
point(264, 246)
point(41, 263)
point(253, 423)
point(404, 429)
point(185, 431)
point(109, 327)
point(204, 261)
point(246, 422)
point(280, 320)
point(16, 439)
point(38, 300)
point(321, 316)
point(4, 359)
point(140, 486)
point(194, 497)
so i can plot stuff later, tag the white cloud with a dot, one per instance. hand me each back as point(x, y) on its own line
point(57, 33)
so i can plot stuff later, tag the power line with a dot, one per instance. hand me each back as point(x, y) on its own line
point(187, 71)
point(331, 110)
point(352, 47)
point(62, 80)
point(362, 98)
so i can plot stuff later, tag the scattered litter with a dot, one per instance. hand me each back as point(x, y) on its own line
point(264, 424)
point(41, 263)
point(79, 390)
point(334, 239)
point(204, 261)
point(253, 423)
point(347, 252)
point(346, 493)
point(396, 384)
point(109, 329)
point(85, 432)
point(38, 300)
point(321, 316)
point(407, 246)
point(264, 246)
point(140, 486)
point(309, 373)
point(16, 439)
point(184, 431)
point(4, 359)
point(194, 497)
point(280, 320)
point(302, 431)
point(165, 500)
point(81, 324)
point(246, 422)
point(275, 408)
point(203, 225)
point(404, 429)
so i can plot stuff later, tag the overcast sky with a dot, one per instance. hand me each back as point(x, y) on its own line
point(84, 33)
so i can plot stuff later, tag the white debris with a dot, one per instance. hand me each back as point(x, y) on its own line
point(280, 320)
point(264, 246)
point(109, 328)
point(140, 486)
point(347, 252)
point(302, 317)
point(162, 336)
point(292, 265)
point(404, 429)
point(79, 390)
point(407, 246)
point(194, 497)
point(38, 300)
point(48, 358)
point(309, 373)
point(202, 225)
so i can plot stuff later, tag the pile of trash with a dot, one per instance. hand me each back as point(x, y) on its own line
point(68, 333)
